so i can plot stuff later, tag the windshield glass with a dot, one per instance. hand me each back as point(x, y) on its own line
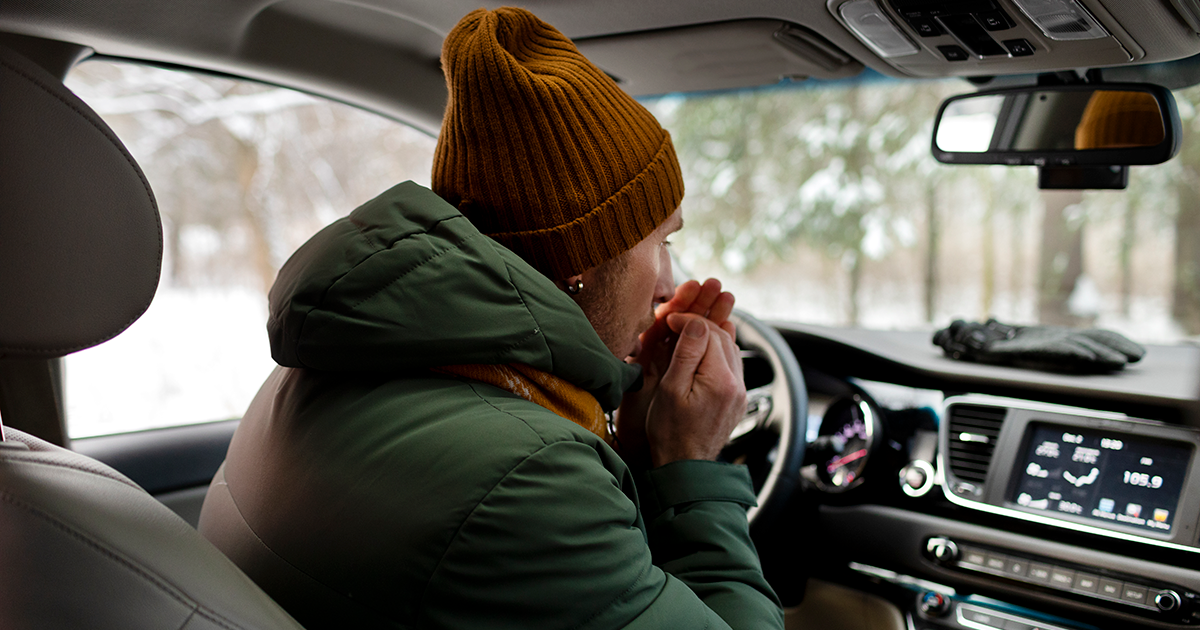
point(821, 203)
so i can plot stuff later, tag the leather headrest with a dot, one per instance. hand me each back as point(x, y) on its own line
point(80, 237)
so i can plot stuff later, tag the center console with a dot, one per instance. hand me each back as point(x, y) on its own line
point(1095, 472)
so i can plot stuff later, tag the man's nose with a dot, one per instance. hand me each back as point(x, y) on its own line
point(665, 287)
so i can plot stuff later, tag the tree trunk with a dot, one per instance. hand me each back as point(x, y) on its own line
point(856, 264)
point(1128, 238)
point(989, 262)
point(1186, 294)
point(933, 244)
point(247, 157)
point(1017, 286)
point(1061, 260)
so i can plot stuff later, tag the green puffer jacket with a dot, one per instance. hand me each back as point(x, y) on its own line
point(362, 490)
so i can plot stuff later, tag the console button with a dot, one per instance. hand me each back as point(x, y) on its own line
point(983, 617)
point(972, 35)
point(1028, 625)
point(932, 604)
point(1017, 567)
point(1111, 588)
point(953, 53)
point(1167, 600)
point(994, 20)
point(925, 27)
point(1040, 573)
point(975, 558)
point(1018, 47)
point(1062, 578)
point(942, 550)
point(1133, 594)
point(996, 562)
point(1087, 583)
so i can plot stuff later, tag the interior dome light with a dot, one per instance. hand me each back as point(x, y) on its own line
point(1062, 19)
point(876, 29)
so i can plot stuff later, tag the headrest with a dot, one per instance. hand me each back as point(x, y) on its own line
point(80, 237)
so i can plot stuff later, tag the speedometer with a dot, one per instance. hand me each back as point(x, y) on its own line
point(846, 442)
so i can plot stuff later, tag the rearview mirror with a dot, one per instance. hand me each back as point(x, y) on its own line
point(1067, 125)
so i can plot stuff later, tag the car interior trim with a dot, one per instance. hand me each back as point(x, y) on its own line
point(901, 579)
point(962, 609)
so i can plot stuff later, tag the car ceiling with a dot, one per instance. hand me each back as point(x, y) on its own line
point(383, 54)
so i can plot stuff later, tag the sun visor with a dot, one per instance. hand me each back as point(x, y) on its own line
point(720, 56)
point(80, 237)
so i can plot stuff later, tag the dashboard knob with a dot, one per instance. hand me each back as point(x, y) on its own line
point(1167, 600)
point(942, 550)
point(916, 478)
point(933, 604)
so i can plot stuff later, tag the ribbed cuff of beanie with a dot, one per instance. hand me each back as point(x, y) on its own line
point(611, 228)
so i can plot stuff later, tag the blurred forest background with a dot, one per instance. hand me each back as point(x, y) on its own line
point(826, 202)
point(814, 202)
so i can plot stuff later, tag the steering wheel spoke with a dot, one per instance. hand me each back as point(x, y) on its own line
point(759, 404)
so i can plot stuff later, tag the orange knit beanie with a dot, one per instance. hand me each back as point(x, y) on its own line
point(542, 151)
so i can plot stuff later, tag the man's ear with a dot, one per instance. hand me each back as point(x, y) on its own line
point(573, 285)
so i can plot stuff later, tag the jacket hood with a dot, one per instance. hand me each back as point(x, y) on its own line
point(406, 283)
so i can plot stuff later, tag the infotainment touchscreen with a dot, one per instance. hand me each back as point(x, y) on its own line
point(1111, 477)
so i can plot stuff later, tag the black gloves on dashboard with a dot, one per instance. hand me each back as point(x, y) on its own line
point(1052, 348)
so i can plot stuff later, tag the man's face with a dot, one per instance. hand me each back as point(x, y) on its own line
point(619, 296)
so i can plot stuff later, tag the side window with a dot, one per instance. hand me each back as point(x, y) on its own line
point(243, 174)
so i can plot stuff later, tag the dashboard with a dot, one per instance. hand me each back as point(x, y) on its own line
point(988, 498)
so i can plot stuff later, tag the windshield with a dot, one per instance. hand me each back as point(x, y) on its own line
point(821, 203)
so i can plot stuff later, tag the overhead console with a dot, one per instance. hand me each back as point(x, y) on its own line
point(988, 37)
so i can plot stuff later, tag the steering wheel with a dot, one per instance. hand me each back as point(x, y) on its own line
point(770, 439)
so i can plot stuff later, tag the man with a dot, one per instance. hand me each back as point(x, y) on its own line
point(434, 452)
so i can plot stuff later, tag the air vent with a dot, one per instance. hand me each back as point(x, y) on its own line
point(974, 430)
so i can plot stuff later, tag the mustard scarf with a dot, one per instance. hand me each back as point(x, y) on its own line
point(540, 388)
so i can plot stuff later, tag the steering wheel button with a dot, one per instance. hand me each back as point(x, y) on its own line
point(1133, 594)
point(1086, 583)
point(1040, 573)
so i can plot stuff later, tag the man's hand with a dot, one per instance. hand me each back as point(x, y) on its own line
point(657, 346)
point(700, 398)
point(707, 300)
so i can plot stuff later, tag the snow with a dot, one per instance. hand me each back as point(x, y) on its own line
point(195, 356)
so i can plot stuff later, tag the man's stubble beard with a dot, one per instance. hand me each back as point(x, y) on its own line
point(600, 300)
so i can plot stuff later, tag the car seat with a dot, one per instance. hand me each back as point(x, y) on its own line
point(82, 546)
